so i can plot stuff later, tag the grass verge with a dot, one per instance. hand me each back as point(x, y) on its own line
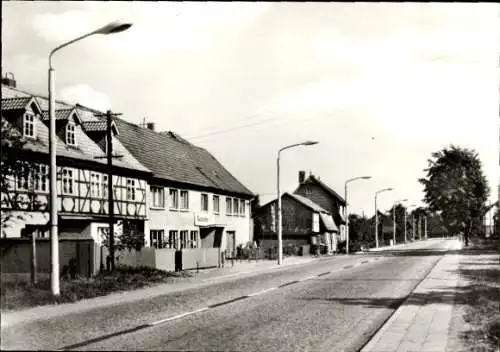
point(482, 303)
point(19, 295)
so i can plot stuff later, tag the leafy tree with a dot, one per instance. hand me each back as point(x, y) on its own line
point(361, 232)
point(400, 221)
point(12, 167)
point(128, 238)
point(456, 187)
point(254, 204)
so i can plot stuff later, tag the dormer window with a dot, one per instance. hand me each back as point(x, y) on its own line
point(70, 134)
point(29, 125)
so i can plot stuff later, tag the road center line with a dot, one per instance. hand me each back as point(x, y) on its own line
point(262, 292)
point(308, 278)
point(178, 316)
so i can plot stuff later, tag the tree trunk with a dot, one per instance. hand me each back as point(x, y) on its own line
point(33, 259)
point(467, 233)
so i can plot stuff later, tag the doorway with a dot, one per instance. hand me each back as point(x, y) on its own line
point(230, 244)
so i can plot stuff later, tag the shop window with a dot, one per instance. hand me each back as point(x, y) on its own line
point(156, 238)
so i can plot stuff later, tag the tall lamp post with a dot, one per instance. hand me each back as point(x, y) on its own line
point(346, 212)
point(376, 213)
point(113, 27)
point(406, 231)
point(280, 239)
point(394, 219)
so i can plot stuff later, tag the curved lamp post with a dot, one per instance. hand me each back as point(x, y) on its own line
point(346, 212)
point(394, 218)
point(376, 213)
point(113, 27)
point(280, 239)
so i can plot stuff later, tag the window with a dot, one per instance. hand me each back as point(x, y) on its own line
point(130, 189)
point(236, 203)
point(95, 185)
point(70, 134)
point(308, 191)
point(185, 241)
point(229, 206)
point(204, 202)
point(184, 200)
point(23, 178)
point(156, 238)
point(29, 125)
point(194, 239)
point(41, 178)
point(172, 239)
point(174, 198)
point(216, 204)
point(157, 197)
point(67, 181)
point(105, 186)
point(242, 207)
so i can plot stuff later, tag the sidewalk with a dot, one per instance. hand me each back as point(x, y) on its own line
point(417, 244)
point(203, 278)
point(422, 322)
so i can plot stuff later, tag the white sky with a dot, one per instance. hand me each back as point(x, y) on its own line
point(379, 85)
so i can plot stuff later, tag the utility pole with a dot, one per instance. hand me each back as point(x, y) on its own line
point(33, 258)
point(425, 227)
point(109, 156)
point(419, 227)
point(406, 234)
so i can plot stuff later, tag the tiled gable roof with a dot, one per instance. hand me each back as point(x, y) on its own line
point(86, 149)
point(15, 103)
point(61, 114)
point(172, 158)
point(98, 126)
point(91, 126)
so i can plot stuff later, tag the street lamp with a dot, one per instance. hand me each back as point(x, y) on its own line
point(412, 222)
point(406, 232)
point(113, 27)
point(346, 212)
point(376, 213)
point(280, 240)
point(394, 219)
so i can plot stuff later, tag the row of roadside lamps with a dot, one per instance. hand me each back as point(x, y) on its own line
point(116, 27)
point(346, 213)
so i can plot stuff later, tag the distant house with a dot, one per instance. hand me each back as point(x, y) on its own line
point(304, 223)
point(193, 200)
point(314, 189)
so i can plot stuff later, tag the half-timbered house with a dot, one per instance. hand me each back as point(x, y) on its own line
point(82, 173)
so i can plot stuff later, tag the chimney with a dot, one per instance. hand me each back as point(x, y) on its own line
point(302, 177)
point(11, 82)
point(150, 126)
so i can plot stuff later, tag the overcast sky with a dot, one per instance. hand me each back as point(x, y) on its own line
point(379, 85)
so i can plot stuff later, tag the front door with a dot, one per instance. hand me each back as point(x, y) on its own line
point(230, 244)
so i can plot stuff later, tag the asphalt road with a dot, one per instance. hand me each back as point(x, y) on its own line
point(337, 311)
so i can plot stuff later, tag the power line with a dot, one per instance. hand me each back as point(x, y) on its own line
point(215, 133)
